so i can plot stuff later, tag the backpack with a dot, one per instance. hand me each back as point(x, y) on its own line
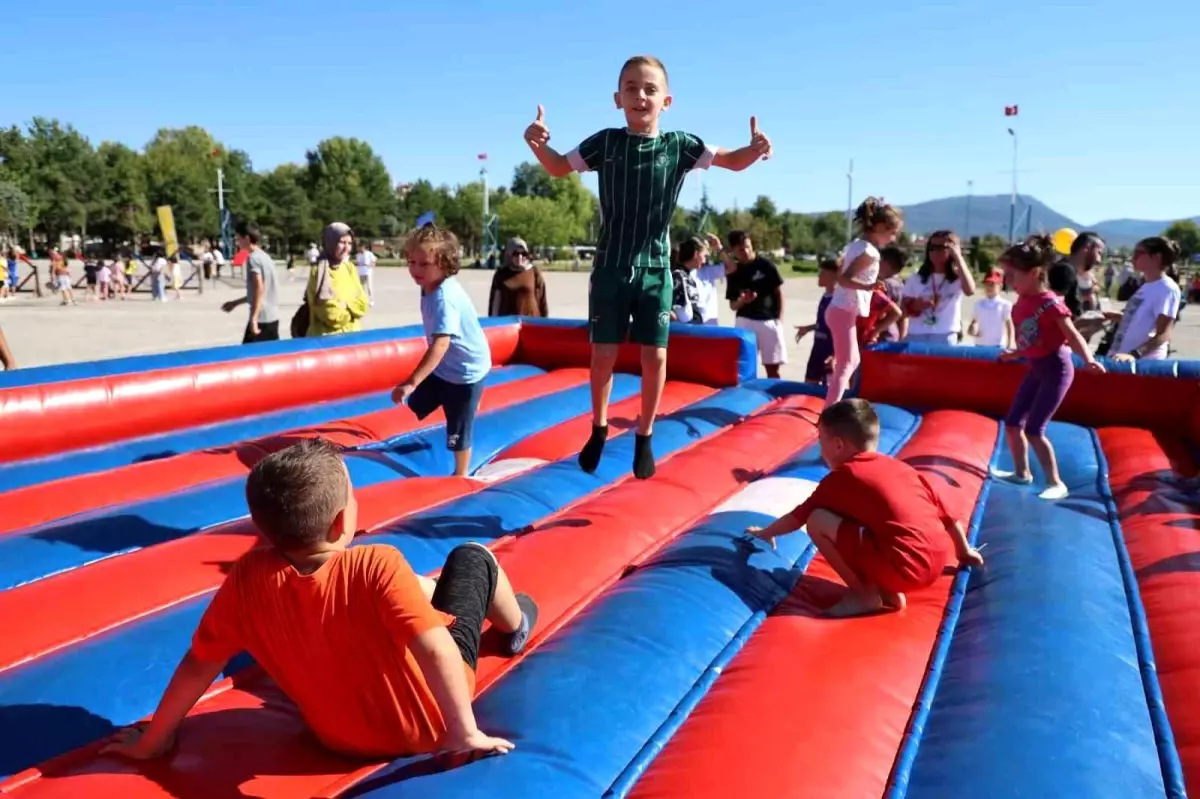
point(300, 321)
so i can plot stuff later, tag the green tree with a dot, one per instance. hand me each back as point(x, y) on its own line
point(349, 183)
point(1187, 234)
point(539, 220)
point(14, 209)
point(530, 179)
point(181, 168)
point(61, 176)
point(288, 213)
point(121, 211)
point(579, 205)
point(416, 199)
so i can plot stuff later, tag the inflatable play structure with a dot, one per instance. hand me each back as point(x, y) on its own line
point(673, 657)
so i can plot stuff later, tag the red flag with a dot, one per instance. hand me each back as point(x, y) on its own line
point(483, 156)
point(1010, 110)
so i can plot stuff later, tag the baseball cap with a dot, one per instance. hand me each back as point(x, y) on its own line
point(995, 276)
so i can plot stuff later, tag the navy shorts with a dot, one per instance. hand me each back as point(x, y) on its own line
point(458, 402)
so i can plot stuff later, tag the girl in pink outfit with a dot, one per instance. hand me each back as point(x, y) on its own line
point(879, 224)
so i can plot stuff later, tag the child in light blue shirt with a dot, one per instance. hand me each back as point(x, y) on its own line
point(450, 375)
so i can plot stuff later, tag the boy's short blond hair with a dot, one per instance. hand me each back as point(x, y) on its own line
point(295, 494)
point(643, 61)
point(853, 420)
point(442, 245)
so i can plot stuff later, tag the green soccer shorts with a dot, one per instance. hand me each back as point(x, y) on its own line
point(634, 306)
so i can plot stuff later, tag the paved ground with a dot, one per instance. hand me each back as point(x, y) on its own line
point(40, 331)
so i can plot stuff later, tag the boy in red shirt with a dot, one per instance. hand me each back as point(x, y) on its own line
point(883, 314)
point(379, 660)
point(876, 520)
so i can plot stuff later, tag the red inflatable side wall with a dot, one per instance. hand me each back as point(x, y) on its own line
point(988, 387)
point(54, 417)
point(707, 360)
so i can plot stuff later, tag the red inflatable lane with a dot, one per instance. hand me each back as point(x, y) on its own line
point(709, 360)
point(819, 706)
point(248, 740)
point(48, 614)
point(1161, 524)
point(38, 504)
point(925, 381)
point(54, 417)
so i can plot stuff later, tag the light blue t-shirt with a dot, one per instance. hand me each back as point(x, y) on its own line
point(448, 311)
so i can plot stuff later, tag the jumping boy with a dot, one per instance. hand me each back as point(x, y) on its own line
point(379, 660)
point(876, 520)
point(641, 173)
point(450, 375)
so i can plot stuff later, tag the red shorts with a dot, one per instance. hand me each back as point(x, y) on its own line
point(892, 570)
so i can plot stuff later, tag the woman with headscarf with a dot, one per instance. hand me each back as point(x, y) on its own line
point(518, 288)
point(336, 300)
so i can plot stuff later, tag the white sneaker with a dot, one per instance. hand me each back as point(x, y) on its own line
point(1011, 477)
point(1054, 492)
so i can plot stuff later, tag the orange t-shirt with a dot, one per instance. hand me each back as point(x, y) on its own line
point(336, 641)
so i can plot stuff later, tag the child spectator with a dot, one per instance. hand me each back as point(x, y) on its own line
point(992, 324)
point(641, 173)
point(379, 661)
point(4, 267)
point(819, 358)
point(175, 273)
point(62, 277)
point(881, 315)
point(450, 375)
point(1149, 317)
point(708, 278)
point(1045, 336)
point(91, 278)
point(755, 293)
point(105, 280)
point(518, 288)
point(686, 304)
point(877, 521)
point(892, 260)
point(365, 263)
point(878, 225)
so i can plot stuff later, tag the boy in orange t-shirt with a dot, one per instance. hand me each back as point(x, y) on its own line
point(401, 649)
point(876, 519)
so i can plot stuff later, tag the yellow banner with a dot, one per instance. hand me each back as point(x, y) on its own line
point(166, 223)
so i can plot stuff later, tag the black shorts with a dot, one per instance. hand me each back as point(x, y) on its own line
point(465, 590)
point(458, 402)
point(267, 331)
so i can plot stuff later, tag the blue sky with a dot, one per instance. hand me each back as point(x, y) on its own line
point(914, 92)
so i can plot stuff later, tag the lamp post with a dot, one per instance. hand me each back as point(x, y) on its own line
point(970, 192)
point(1012, 206)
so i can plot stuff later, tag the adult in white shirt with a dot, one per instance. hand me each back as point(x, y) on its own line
point(1148, 320)
point(933, 297)
point(365, 262)
point(218, 259)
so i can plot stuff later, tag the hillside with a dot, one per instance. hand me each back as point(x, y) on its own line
point(990, 214)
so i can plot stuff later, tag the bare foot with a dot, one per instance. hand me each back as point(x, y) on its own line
point(855, 604)
point(892, 601)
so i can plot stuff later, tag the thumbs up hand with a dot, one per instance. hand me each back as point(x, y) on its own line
point(537, 134)
point(758, 140)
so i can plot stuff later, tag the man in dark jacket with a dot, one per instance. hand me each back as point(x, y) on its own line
point(1087, 252)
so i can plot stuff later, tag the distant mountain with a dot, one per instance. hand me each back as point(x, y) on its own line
point(990, 214)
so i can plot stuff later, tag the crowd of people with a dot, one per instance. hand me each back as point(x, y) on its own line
point(408, 665)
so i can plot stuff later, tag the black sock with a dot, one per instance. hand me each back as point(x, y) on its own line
point(643, 458)
point(589, 456)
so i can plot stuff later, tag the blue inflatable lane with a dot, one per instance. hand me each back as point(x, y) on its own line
point(1042, 677)
point(667, 629)
point(19, 474)
point(73, 696)
point(78, 541)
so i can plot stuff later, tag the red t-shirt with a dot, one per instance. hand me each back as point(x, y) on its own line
point(895, 503)
point(879, 306)
point(336, 641)
point(1035, 319)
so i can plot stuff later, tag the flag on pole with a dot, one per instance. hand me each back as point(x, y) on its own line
point(482, 156)
point(1010, 110)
